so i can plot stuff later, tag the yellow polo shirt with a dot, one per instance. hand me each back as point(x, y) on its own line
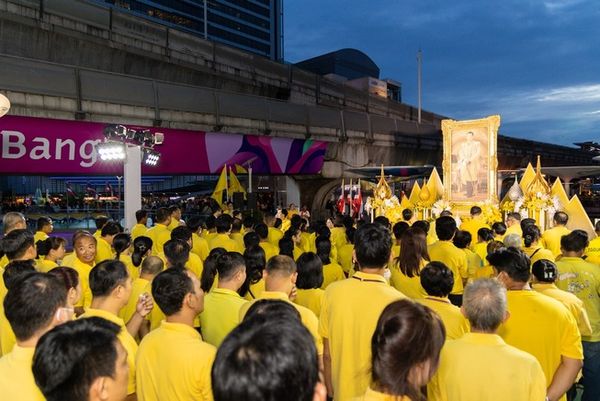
point(542, 327)
point(239, 238)
point(274, 236)
point(308, 318)
point(138, 230)
point(220, 315)
point(372, 395)
point(345, 257)
point(173, 224)
point(593, 251)
point(307, 241)
point(159, 234)
point(409, 286)
point(455, 323)
point(338, 237)
point(332, 272)
point(472, 225)
point(514, 229)
point(539, 253)
point(127, 341)
point(349, 314)
point(16, 378)
point(83, 269)
point(551, 238)
point(473, 262)
point(485, 271)
point(133, 271)
point(480, 249)
point(68, 259)
point(482, 367)
point(194, 264)
point(582, 279)
point(138, 287)
point(44, 266)
point(104, 250)
point(255, 290)
point(174, 364)
point(573, 304)
point(39, 236)
point(270, 250)
point(454, 258)
point(311, 299)
point(200, 246)
point(223, 241)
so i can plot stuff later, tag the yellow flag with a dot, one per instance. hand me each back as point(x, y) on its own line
point(221, 186)
point(234, 184)
point(240, 169)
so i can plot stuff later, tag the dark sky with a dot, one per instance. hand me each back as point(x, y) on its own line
point(534, 62)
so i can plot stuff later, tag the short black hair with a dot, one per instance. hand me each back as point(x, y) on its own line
point(15, 270)
point(545, 271)
point(251, 239)
point(106, 276)
point(223, 223)
point(399, 228)
point(514, 216)
point(100, 221)
point(16, 243)
point(169, 289)
point(111, 228)
point(445, 228)
point(462, 239)
point(286, 245)
point(70, 357)
point(43, 222)
point(323, 246)
point(499, 228)
point(437, 279)
point(162, 214)
point(259, 361)
point(51, 243)
point(194, 223)
point(372, 245)
point(181, 232)
point(236, 225)
point(407, 214)
point(210, 222)
point(310, 271)
point(513, 262)
point(230, 263)
point(423, 225)
point(262, 231)
point(31, 302)
point(561, 218)
point(527, 222)
point(475, 211)
point(177, 252)
point(383, 221)
point(249, 221)
point(485, 234)
point(174, 208)
point(575, 241)
point(531, 233)
point(140, 215)
point(270, 310)
point(121, 242)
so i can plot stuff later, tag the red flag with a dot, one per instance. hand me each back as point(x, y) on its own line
point(341, 203)
point(357, 203)
point(349, 199)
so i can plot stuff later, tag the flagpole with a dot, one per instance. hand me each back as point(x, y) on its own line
point(250, 178)
point(419, 63)
point(226, 183)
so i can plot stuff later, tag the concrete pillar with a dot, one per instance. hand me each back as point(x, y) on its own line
point(132, 184)
point(292, 192)
point(567, 184)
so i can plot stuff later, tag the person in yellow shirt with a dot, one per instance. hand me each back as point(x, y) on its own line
point(122, 244)
point(338, 232)
point(513, 224)
point(406, 349)
point(274, 234)
point(254, 285)
point(462, 240)
point(407, 266)
point(142, 248)
point(592, 252)
point(350, 311)
point(199, 244)
point(551, 237)
point(100, 221)
point(583, 280)
point(281, 348)
point(545, 274)
point(84, 246)
point(280, 280)
point(236, 232)
point(263, 234)
point(176, 221)
point(499, 230)
point(437, 280)
point(481, 365)
point(104, 249)
point(70, 279)
point(446, 252)
point(141, 216)
point(486, 270)
point(310, 278)
point(93, 348)
point(533, 248)
point(398, 229)
point(222, 304)
point(11, 221)
point(110, 285)
point(160, 233)
point(484, 237)
point(332, 272)
point(194, 263)
point(222, 239)
point(30, 320)
point(475, 222)
point(50, 251)
point(44, 228)
point(346, 251)
point(209, 230)
point(173, 363)
point(538, 324)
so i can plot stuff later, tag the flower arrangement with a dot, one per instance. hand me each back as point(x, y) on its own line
point(439, 206)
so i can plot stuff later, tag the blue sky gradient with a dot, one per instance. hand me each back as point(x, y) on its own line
point(534, 62)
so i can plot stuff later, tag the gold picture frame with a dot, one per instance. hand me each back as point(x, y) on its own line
point(470, 161)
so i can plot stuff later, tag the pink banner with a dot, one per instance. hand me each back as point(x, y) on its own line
point(47, 146)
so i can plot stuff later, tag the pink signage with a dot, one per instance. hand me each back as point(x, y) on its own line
point(47, 146)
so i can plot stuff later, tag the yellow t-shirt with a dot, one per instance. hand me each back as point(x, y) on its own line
point(311, 299)
point(307, 242)
point(455, 323)
point(573, 304)
point(482, 367)
point(7, 335)
point(472, 225)
point(480, 249)
point(138, 287)
point(409, 286)
point(39, 236)
point(223, 241)
point(255, 290)
point(133, 271)
point(514, 229)
point(345, 257)
point(332, 272)
point(220, 315)
point(454, 258)
point(127, 341)
point(274, 236)
point(16, 378)
point(372, 395)
point(593, 251)
point(239, 238)
point(159, 234)
point(84, 278)
point(173, 224)
point(173, 364)
point(582, 279)
point(538, 253)
point(68, 259)
point(551, 238)
point(542, 327)
point(104, 250)
point(138, 230)
point(349, 314)
point(44, 266)
point(194, 264)
point(308, 318)
point(270, 250)
point(338, 237)
point(485, 271)
point(200, 246)
point(473, 262)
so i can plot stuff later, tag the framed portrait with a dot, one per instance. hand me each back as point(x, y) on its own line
point(470, 160)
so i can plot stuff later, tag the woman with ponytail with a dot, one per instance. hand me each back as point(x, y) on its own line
point(50, 252)
point(142, 247)
point(533, 248)
point(121, 244)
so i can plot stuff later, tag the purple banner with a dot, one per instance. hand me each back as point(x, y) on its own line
point(48, 146)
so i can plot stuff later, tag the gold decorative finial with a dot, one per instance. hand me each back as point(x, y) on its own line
point(539, 184)
point(424, 194)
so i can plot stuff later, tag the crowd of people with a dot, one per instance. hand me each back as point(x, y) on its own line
point(227, 307)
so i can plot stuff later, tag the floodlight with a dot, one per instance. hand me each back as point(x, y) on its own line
point(115, 132)
point(150, 157)
point(111, 150)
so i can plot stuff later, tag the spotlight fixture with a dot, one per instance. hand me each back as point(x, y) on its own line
point(111, 150)
point(150, 157)
point(115, 132)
